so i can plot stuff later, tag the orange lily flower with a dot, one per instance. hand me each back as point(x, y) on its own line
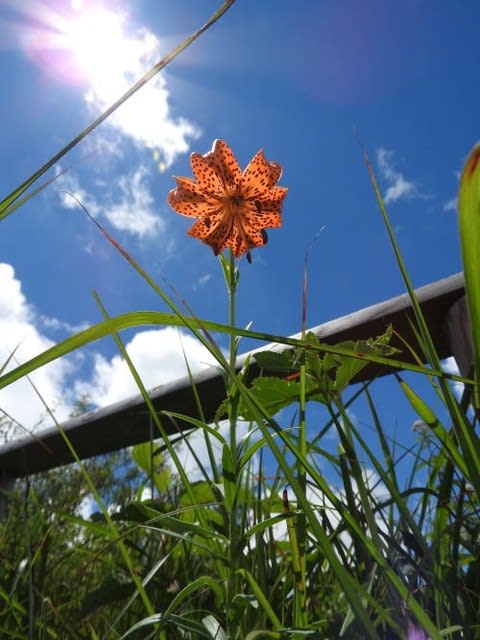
point(233, 208)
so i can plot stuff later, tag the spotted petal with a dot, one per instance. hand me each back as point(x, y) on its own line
point(209, 181)
point(205, 226)
point(256, 178)
point(187, 200)
point(217, 171)
point(276, 194)
point(245, 238)
point(222, 160)
point(275, 172)
point(216, 236)
point(268, 217)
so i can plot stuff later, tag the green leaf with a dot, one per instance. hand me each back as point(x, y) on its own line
point(265, 524)
point(146, 513)
point(273, 394)
point(326, 375)
point(204, 582)
point(202, 492)
point(145, 318)
point(261, 598)
point(214, 628)
point(151, 462)
point(196, 629)
point(469, 227)
point(334, 372)
point(447, 439)
point(274, 362)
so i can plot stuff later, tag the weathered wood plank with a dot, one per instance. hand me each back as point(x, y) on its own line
point(128, 422)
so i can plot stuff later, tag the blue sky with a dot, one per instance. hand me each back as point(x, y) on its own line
point(295, 79)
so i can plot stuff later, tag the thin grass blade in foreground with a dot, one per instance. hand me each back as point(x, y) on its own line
point(429, 346)
point(152, 318)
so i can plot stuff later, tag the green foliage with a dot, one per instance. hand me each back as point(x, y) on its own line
point(316, 550)
point(325, 377)
point(276, 535)
point(469, 227)
point(150, 462)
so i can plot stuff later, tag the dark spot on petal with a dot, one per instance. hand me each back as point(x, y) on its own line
point(258, 206)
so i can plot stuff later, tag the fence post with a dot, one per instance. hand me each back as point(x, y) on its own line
point(457, 328)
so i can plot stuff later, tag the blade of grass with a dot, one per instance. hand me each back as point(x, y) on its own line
point(149, 318)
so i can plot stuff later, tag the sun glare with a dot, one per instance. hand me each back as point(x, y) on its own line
point(87, 45)
point(102, 53)
point(96, 43)
point(90, 45)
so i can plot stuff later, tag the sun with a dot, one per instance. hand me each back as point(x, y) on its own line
point(87, 44)
point(100, 50)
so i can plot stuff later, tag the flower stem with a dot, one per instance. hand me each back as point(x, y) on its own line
point(231, 274)
point(232, 290)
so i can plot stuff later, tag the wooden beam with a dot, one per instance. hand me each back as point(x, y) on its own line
point(128, 422)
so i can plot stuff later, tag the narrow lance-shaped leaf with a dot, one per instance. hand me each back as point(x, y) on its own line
point(469, 227)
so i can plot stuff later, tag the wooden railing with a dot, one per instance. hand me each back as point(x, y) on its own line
point(128, 422)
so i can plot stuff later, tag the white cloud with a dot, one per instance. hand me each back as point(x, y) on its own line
point(87, 506)
point(449, 365)
point(158, 355)
point(68, 185)
point(201, 281)
point(133, 211)
point(19, 334)
point(420, 427)
point(451, 205)
point(145, 117)
point(128, 205)
point(204, 279)
point(60, 325)
point(398, 186)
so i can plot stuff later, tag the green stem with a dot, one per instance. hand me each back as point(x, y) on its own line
point(232, 282)
point(300, 617)
point(300, 603)
point(231, 278)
